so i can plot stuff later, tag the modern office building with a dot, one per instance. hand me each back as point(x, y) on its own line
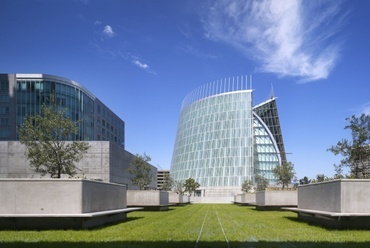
point(222, 140)
point(24, 94)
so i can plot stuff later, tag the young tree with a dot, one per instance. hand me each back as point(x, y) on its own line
point(46, 137)
point(247, 186)
point(191, 185)
point(261, 182)
point(284, 173)
point(320, 178)
point(304, 180)
point(179, 187)
point(167, 183)
point(356, 153)
point(140, 171)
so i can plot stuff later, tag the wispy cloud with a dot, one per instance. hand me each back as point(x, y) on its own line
point(97, 22)
point(108, 31)
point(140, 64)
point(136, 61)
point(288, 38)
point(363, 109)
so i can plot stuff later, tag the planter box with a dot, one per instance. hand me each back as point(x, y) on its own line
point(149, 199)
point(341, 203)
point(60, 203)
point(276, 199)
point(178, 199)
point(245, 199)
point(340, 196)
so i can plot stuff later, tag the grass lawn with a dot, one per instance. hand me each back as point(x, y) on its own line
point(198, 226)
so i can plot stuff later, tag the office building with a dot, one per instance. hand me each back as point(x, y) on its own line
point(222, 140)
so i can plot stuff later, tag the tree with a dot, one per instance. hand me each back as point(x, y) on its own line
point(304, 180)
point(247, 186)
point(167, 183)
point(320, 178)
point(191, 185)
point(261, 182)
point(140, 170)
point(284, 173)
point(179, 187)
point(46, 136)
point(338, 172)
point(356, 153)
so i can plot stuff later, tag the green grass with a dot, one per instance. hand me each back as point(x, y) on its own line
point(206, 225)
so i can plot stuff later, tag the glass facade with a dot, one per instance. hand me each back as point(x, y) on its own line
point(24, 94)
point(31, 94)
point(221, 141)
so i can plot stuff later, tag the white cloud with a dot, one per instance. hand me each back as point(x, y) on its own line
point(139, 64)
point(288, 38)
point(108, 31)
point(136, 61)
point(97, 22)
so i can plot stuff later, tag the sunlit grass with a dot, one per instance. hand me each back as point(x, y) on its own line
point(203, 225)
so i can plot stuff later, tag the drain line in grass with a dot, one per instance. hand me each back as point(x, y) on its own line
point(201, 229)
point(223, 230)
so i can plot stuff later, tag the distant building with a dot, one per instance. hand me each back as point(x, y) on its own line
point(24, 94)
point(222, 140)
point(161, 176)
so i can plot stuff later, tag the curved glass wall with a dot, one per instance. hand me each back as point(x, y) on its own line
point(266, 152)
point(214, 143)
point(222, 141)
point(31, 93)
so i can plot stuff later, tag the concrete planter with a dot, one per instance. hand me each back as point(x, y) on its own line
point(341, 203)
point(340, 196)
point(178, 199)
point(276, 199)
point(245, 199)
point(149, 199)
point(60, 203)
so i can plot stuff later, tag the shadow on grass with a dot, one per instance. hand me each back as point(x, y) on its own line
point(182, 244)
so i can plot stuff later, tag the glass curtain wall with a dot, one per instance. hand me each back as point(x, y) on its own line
point(32, 93)
point(214, 143)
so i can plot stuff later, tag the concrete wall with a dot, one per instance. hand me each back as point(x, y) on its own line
point(59, 196)
point(147, 198)
point(103, 161)
point(341, 196)
point(276, 198)
point(175, 198)
point(246, 198)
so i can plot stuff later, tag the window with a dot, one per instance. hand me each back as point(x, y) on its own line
point(4, 122)
point(4, 110)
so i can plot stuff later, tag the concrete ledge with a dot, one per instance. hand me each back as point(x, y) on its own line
point(63, 221)
point(326, 213)
point(334, 219)
point(85, 215)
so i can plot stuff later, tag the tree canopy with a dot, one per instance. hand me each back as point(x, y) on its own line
point(140, 171)
point(247, 186)
point(191, 185)
point(356, 152)
point(168, 183)
point(46, 136)
point(261, 182)
point(284, 173)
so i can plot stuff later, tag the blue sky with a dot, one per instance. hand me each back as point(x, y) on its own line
point(142, 57)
